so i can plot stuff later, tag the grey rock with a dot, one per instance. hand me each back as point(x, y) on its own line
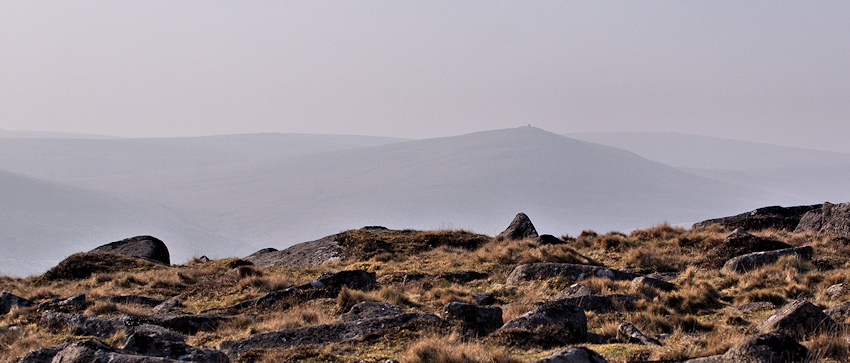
point(77, 324)
point(484, 298)
point(480, 320)
point(73, 303)
point(42, 355)
point(548, 239)
point(7, 301)
point(812, 221)
point(329, 333)
point(306, 254)
point(462, 277)
point(798, 319)
point(574, 272)
point(520, 228)
point(602, 304)
point(835, 291)
point(573, 355)
point(574, 290)
point(371, 310)
point(155, 343)
point(628, 333)
point(755, 260)
point(755, 306)
point(167, 305)
point(776, 217)
point(184, 323)
point(551, 324)
point(92, 351)
point(836, 220)
point(648, 281)
point(135, 299)
point(839, 312)
point(328, 285)
point(767, 348)
point(144, 247)
point(740, 242)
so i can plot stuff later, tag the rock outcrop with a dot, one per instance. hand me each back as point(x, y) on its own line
point(831, 219)
point(140, 348)
point(306, 254)
point(765, 348)
point(329, 333)
point(755, 260)
point(574, 272)
point(798, 319)
point(520, 228)
point(740, 242)
point(479, 320)
point(371, 310)
point(144, 247)
point(628, 333)
point(551, 324)
point(8, 301)
point(775, 217)
point(573, 355)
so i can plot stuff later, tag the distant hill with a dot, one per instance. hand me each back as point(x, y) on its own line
point(15, 134)
point(704, 152)
point(43, 222)
point(65, 159)
point(477, 181)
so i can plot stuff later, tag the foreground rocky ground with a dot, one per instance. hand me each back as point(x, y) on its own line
point(766, 286)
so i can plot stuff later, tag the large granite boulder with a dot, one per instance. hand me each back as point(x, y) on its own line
point(831, 219)
point(148, 349)
point(328, 333)
point(765, 348)
point(798, 319)
point(755, 260)
point(573, 355)
point(552, 324)
point(371, 310)
point(480, 320)
point(574, 272)
point(520, 228)
point(144, 247)
point(306, 254)
point(775, 217)
point(8, 301)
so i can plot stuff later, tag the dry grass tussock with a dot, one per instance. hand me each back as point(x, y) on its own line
point(696, 319)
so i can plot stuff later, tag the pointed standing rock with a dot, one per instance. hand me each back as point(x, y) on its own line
point(521, 227)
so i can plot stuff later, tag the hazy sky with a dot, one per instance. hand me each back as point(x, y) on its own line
point(770, 71)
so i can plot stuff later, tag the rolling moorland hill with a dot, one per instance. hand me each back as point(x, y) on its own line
point(471, 181)
point(808, 176)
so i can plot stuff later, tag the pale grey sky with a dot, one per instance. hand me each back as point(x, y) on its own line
point(768, 71)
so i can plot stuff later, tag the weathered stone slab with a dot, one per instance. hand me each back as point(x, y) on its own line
point(574, 272)
point(752, 261)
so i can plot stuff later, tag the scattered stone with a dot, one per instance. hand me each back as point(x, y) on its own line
point(7, 301)
point(135, 299)
point(73, 303)
point(462, 277)
point(835, 291)
point(602, 304)
point(152, 341)
point(144, 247)
point(740, 242)
point(484, 298)
point(755, 306)
point(755, 260)
point(775, 217)
point(548, 239)
point(328, 285)
point(520, 228)
point(371, 310)
point(329, 333)
point(839, 312)
point(302, 255)
point(480, 320)
point(551, 324)
point(77, 324)
point(573, 355)
point(184, 323)
point(651, 282)
point(574, 272)
point(765, 348)
point(798, 319)
point(167, 305)
point(664, 276)
point(574, 290)
point(628, 333)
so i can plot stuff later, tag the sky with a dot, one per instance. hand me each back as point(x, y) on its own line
point(767, 71)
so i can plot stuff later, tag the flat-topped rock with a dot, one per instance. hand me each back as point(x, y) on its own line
point(755, 260)
point(774, 217)
point(574, 272)
point(798, 319)
point(144, 247)
point(551, 324)
point(302, 255)
point(371, 310)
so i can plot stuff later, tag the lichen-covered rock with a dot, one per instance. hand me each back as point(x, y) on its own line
point(480, 320)
point(755, 260)
point(78, 324)
point(73, 303)
point(767, 348)
point(651, 282)
point(602, 304)
point(628, 333)
point(371, 310)
point(574, 290)
point(839, 312)
point(301, 255)
point(8, 301)
point(551, 324)
point(328, 333)
point(144, 247)
point(573, 355)
point(798, 319)
point(521, 227)
point(574, 272)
